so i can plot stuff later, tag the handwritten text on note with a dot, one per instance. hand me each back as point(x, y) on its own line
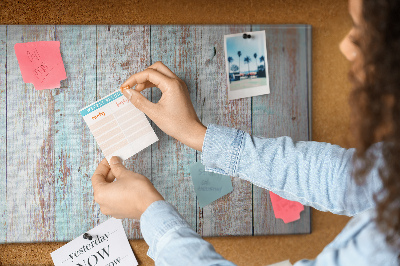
point(207, 185)
point(41, 63)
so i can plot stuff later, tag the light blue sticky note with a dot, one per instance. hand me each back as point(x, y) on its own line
point(209, 186)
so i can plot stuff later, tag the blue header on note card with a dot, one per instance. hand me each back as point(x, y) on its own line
point(101, 103)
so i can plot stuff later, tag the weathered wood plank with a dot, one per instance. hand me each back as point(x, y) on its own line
point(74, 147)
point(232, 214)
point(123, 51)
point(178, 48)
point(3, 133)
point(30, 146)
point(284, 112)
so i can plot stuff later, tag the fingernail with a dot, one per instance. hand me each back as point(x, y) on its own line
point(115, 160)
point(127, 93)
point(124, 88)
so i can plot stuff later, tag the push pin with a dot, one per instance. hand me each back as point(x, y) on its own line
point(125, 88)
point(88, 236)
point(246, 36)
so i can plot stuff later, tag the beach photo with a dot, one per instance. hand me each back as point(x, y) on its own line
point(246, 64)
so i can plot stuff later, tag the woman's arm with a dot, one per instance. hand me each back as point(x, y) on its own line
point(312, 173)
point(315, 174)
point(171, 240)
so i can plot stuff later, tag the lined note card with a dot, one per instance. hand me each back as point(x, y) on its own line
point(41, 63)
point(118, 126)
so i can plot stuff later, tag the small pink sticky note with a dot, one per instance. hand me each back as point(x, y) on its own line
point(41, 63)
point(284, 209)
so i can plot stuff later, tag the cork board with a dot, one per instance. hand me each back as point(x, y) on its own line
point(330, 22)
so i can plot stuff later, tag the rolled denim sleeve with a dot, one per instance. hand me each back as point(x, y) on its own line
point(313, 173)
point(171, 240)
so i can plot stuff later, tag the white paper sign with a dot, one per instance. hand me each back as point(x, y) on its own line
point(282, 263)
point(109, 247)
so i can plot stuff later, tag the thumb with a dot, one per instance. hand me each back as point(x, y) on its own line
point(138, 100)
point(117, 167)
point(99, 176)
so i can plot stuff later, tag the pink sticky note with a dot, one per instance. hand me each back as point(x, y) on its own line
point(41, 63)
point(284, 209)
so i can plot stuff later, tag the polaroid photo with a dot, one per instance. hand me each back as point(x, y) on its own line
point(246, 64)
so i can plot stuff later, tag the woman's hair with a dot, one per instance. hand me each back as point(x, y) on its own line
point(375, 103)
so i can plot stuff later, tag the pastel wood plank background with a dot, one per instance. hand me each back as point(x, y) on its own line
point(232, 214)
point(177, 47)
point(3, 131)
point(122, 51)
point(50, 154)
point(283, 112)
point(74, 147)
point(30, 191)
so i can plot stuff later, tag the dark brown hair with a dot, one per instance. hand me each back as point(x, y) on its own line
point(375, 103)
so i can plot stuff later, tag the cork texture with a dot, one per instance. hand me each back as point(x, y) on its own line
point(330, 22)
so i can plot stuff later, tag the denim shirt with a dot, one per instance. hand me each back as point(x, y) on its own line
point(312, 173)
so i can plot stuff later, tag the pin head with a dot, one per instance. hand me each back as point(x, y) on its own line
point(87, 236)
point(246, 36)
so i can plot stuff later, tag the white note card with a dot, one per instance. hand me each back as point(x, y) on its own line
point(108, 247)
point(118, 126)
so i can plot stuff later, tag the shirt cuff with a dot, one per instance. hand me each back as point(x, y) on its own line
point(222, 147)
point(158, 219)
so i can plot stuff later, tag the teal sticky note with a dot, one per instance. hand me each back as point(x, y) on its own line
point(209, 186)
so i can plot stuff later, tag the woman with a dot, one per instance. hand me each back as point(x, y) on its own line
point(360, 182)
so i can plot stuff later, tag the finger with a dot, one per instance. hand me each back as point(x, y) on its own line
point(160, 67)
point(118, 169)
point(110, 177)
point(100, 174)
point(159, 80)
point(140, 102)
point(141, 86)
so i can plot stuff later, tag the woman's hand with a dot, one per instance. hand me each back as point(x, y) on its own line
point(127, 197)
point(174, 113)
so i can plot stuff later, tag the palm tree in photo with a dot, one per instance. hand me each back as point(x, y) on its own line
point(262, 60)
point(255, 58)
point(247, 60)
point(230, 60)
point(239, 54)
